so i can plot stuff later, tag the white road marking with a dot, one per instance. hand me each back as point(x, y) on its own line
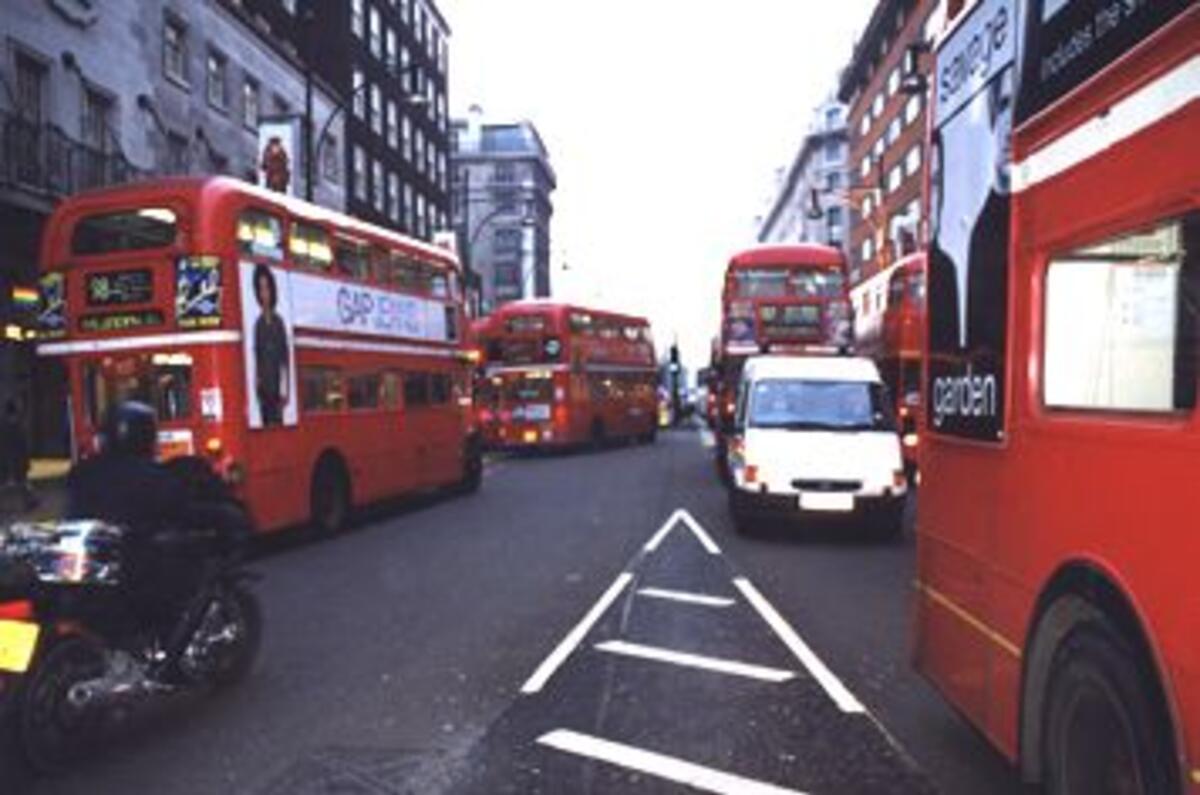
point(715, 664)
point(833, 686)
point(681, 515)
point(575, 636)
point(661, 533)
point(666, 767)
point(685, 596)
point(707, 439)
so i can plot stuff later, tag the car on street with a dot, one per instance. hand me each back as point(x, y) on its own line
point(815, 436)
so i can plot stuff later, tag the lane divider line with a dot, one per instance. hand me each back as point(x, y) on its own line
point(833, 686)
point(561, 652)
point(671, 768)
point(686, 597)
point(715, 664)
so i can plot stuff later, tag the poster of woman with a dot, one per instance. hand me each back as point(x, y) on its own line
point(267, 342)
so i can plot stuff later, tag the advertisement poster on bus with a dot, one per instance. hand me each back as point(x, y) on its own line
point(327, 305)
point(969, 217)
point(268, 338)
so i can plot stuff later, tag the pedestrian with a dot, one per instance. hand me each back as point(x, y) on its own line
point(14, 455)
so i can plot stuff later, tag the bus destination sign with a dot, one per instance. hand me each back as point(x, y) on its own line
point(121, 321)
point(120, 288)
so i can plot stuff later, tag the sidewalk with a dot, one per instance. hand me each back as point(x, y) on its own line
point(48, 478)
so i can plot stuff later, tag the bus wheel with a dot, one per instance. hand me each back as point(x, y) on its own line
point(1103, 734)
point(330, 497)
point(599, 433)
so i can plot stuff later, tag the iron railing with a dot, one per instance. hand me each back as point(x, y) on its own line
point(43, 158)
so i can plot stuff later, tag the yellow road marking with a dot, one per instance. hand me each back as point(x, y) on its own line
point(940, 599)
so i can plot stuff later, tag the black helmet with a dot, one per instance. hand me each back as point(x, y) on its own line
point(130, 428)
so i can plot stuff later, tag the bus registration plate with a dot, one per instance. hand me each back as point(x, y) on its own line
point(18, 639)
point(821, 501)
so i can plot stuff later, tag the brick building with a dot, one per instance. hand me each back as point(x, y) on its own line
point(887, 137)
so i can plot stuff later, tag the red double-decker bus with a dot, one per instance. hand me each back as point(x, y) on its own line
point(558, 375)
point(1057, 600)
point(314, 359)
point(777, 298)
point(889, 326)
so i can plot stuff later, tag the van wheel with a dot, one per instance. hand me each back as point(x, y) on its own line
point(330, 502)
point(1103, 733)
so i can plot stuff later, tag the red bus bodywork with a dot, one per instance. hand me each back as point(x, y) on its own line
point(1073, 506)
point(387, 410)
point(777, 298)
point(889, 319)
point(558, 375)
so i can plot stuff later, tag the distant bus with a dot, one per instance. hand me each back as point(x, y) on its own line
point(559, 375)
point(315, 360)
point(777, 298)
point(889, 326)
point(1058, 606)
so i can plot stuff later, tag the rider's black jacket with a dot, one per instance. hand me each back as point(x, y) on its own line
point(128, 490)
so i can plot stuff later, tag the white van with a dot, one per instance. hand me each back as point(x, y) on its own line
point(815, 436)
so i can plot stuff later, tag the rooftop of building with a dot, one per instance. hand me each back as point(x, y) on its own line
point(869, 47)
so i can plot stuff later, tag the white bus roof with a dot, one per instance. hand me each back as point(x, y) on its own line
point(812, 368)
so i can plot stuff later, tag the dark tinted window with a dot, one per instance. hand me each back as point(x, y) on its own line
point(132, 230)
point(416, 389)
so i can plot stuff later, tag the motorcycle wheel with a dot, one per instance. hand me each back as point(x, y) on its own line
point(241, 614)
point(52, 732)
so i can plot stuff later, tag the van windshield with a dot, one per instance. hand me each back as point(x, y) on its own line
point(798, 404)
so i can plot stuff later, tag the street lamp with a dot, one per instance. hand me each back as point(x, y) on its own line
point(471, 232)
point(313, 146)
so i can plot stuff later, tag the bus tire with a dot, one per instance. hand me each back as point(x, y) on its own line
point(599, 433)
point(1103, 732)
point(472, 478)
point(330, 496)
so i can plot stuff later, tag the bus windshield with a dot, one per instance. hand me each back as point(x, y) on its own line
point(130, 230)
point(783, 282)
point(797, 404)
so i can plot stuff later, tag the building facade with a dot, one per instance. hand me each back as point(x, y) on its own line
point(887, 137)
point(811, 202)
point(93, 94)
point(388, 60)
point(502, 181)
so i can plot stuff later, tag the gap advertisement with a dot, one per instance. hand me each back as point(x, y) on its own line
point(969, 220)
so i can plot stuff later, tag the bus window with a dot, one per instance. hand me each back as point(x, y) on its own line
point(407, 273)
point(131, 230)
point(761, 283)
point(363, 391)
point(352, 257)
point(381, 265)
point(416, 389)
point(439, 389)
point(816, 283)
point(321, 389)
point(581, 323)
point(1131, 291)
point(310, 247)
point(438, 285)
point(260, 234)
point(390, 390)
point(161, 380)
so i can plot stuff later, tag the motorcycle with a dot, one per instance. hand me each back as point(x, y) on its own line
point(91, 623)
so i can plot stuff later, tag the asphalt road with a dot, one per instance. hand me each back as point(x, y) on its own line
point(526, 640)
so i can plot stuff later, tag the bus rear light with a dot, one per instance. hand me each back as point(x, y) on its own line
point(899, 480)
point(214, 446)
point(910, 440)
point(21, 610)
point(751, 473)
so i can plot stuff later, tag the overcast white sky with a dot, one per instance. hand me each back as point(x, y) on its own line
point(666, 121)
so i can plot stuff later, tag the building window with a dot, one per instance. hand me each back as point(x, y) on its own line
point(421, 219)
point(878, 148)
point(912, 108)
point(360, 174)
point(358, 84)
point(893, 131)
point(912, 161)
point(377, 186)
point(376, 33)
point(893, 82)
point(877, 106)
point(868, 206)
point(393, 124)
point(96, 118)
point(175, 49)
point(894, 178)
point(330, 157)
point(393, 197)
point(358, 18)
point(410, 214)
point(864, 125)
point(864, 168)
point(406, 138)
point(250, 103)
point(833, 180)
point(833, 218)
point(289, 6)
point(178, 154)
point(376, 109)
point(868, 250)
point(833, 151)
point(419, 150)
point(390, 48)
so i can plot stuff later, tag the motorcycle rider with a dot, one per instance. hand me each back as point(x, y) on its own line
point(125, 485)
